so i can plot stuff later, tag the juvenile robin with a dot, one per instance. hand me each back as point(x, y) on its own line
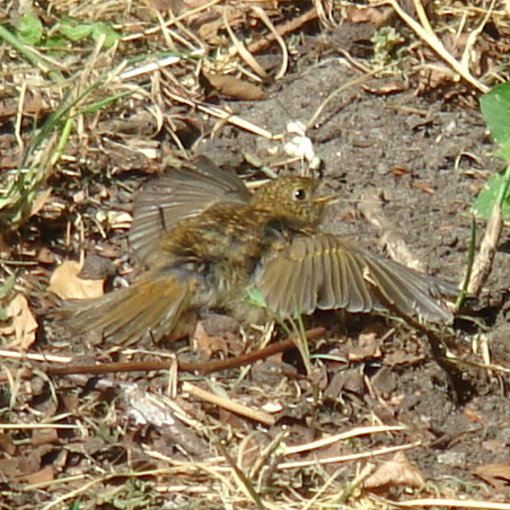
point(206, 240)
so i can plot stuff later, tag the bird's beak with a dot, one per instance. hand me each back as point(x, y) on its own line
point(325, 199)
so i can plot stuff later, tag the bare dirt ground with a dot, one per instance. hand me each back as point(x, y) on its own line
point(150, 439)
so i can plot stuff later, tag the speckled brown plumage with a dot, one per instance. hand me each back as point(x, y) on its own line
point(206, 240)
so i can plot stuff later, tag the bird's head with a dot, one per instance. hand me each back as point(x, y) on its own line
point(292, 198)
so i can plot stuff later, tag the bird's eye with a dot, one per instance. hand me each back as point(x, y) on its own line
point(299, 194)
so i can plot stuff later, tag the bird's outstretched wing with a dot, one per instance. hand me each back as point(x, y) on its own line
point(181, 193)
point(327, 272)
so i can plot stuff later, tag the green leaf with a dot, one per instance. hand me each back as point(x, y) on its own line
point(504, 151)
point(100, 28)
point(55, 41)
point(490, 193)
point(495, 106)
point(255, 298)
point(30, 29)
point(7, 286)
point(74, 30)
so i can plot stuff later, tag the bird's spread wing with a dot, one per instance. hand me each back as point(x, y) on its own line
point(181, 193)
point(326, 272)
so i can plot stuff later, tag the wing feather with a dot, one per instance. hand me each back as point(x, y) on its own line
point(326, 272)
point(180, 194)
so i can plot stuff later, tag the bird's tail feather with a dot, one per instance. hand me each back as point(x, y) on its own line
point(149, 308)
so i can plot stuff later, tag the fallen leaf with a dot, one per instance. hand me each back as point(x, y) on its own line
point(23, 324)
point(233, 87)
point(365, 15)
point(66, 284)
point(40, 200)
point(397, 471)
point(44, 436)
point(387, 87)
point(9, 468)
point(494, 474)
point(44, 475)
point(7, 444)
point(367, 345)
point(208, 344)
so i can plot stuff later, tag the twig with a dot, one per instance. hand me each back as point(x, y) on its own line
point(283, 29)
point(452, 503)
point(173, 21)
point(327, 441)
point(230, 405)
point(203, 368)
point(433, 41)
point(346, 458)
point(242, 51)
point(5, 353)
point(332, 95)
point(483, 261)
point(285, 54)
point(221, 114)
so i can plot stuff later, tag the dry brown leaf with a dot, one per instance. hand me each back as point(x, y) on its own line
point(40, 200)
point(66, 284)
point(397, 471)
point(32, 103)
point(23, 324)
point(233, 87)
point(372, 15)
point(44, 475)
point(367, 345)
point(209, 23)
point(423, 187)
point(386, 87)
point(208, 344)
point(494, 473)
point(7, 444)
point(9, 468)
point(44, 436)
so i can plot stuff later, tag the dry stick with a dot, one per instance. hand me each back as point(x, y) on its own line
point(483, 261)
point(343, 436)
point(29, 356)
point(279, 39)
point(471, 40)
point(242, 51)
point(229, 405)
point(433, 41)
point(450, 503)
point(203, 368)
point(351, 83)
point(223, 115)
point(346, 458)
point(283, 29)
point(173, 21)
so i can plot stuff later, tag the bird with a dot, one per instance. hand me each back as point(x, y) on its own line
point(208, 243)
